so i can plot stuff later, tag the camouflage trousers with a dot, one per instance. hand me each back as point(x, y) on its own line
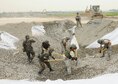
point(78, 23)
point(107, 53)
point(31, 55)
point(42, 64)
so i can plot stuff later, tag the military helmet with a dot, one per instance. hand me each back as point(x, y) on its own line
point(73, 46)
point(99, 41)
point(27, 36)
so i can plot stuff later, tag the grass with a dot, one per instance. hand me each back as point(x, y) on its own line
point(63, 14)
point(110, 13)
point(73, 14)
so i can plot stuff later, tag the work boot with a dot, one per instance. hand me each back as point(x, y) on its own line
point(39, 72)
point(29, 60)
point(51, 70)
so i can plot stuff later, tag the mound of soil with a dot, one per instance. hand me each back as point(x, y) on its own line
point(90, 63)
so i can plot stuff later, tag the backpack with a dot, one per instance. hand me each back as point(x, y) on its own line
point(67, 54)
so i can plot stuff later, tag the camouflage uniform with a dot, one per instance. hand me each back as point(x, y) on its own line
point(105, 47)
point(64, 44)
point(78, 20)
point(70, 59)
point(27, 47)
point(44, 57)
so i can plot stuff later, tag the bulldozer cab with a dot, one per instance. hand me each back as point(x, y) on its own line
point(96, 12)
point(96, 8)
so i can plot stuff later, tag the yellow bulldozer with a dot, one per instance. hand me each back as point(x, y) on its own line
point(94, 12)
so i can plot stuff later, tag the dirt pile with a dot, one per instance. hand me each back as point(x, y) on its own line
point(93, 30)
point(90, 63)
point(17, 67)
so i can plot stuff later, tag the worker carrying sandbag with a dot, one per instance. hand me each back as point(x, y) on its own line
point(105, 47)
point(70, 58)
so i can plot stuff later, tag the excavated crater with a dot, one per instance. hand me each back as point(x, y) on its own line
point(90, 64)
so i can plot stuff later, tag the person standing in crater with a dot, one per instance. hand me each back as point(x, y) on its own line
point(44, 57)
point(27, 47)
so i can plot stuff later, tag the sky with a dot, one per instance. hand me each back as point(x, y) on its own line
point(54, 5)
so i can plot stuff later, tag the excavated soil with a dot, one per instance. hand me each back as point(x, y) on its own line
point(90, 64)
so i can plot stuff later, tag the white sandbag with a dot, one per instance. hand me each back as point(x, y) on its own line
point(113, 36)
point(8, 41)
point(72, 30)
point(74, 41)
point(38, 30)
point(73, 38)
point(6, 46)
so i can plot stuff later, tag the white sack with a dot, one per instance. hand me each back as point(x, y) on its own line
point(73, 38)
point(6, 46)
point(72, 30)
point(38, 30)
point(74, 41)
point(8, 41)
point(113, 36)
point(8, 38)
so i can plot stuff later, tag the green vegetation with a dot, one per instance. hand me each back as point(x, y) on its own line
point(110, 13)
point(73, 14)
point(68, 14)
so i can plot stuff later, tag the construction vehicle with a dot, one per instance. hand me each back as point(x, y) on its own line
point(94, 12)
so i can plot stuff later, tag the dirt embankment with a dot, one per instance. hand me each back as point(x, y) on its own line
point(95, 29)
point(17, 67)
point(90, 63)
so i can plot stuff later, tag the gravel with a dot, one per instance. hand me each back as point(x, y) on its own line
point(90, 64)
